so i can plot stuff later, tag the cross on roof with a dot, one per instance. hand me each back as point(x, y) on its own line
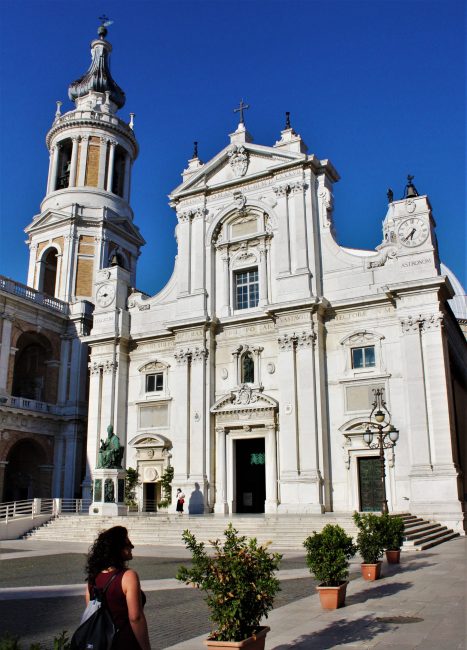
point(242, 107)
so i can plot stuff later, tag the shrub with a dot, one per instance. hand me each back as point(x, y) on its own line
point(328, 554)
point(131, 483)
point(370, 538)
point(238, 579)
point(393, 532)
point(166, 484)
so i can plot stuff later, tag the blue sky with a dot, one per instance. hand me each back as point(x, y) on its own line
point(377, 87)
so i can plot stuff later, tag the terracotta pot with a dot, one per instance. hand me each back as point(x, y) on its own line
point(371, 571)
point(252, 643)
point(393, 557)
point(332, 597)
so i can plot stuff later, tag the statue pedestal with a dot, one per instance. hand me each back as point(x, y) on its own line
point(108, 493)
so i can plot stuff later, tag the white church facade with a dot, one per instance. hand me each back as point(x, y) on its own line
point(252, 372)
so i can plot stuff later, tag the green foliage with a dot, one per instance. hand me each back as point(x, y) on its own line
point(166, 485)
point(131, 483)
point(392, 531)
point(328, 554)
point(370, 538)
point(60, 642)
point(238, 579)
point(164, 503)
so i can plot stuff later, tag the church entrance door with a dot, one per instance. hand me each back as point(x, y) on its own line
point(369, 479)
point(150, 497)
point(250, 475)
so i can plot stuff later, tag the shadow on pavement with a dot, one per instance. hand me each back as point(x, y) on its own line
point(337, 633)
point(377, 592)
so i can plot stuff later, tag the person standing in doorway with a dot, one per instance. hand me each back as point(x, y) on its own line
point(180, 501)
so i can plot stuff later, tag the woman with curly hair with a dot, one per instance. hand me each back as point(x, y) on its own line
point(108, 556)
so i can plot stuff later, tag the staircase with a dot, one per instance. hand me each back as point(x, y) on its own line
point(284, 531)
point(420, 534)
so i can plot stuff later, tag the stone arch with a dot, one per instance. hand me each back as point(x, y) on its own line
point(48, 273)
point(233, 211)
point(32, 370)
point(27, 474)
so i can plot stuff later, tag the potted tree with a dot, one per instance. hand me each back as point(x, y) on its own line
point(327, 556)
point(240, 587)
point(393, 537)
point(370, 543)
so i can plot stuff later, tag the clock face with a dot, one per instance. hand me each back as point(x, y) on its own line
point(105, 295)
point(413, 232)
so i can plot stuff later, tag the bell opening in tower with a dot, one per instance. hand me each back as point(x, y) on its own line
point(64, 165)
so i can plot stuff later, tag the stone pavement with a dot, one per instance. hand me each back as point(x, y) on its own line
point(418, 604)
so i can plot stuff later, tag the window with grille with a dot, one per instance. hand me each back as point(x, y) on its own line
point(154, 382)
point(247, 288)
point(363, 357)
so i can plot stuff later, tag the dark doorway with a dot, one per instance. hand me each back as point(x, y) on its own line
point(149, 497)
point(23, 479)
point(250, 475)
point(369, 479)
point(49, 272)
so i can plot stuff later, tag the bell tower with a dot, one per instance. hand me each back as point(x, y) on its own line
point(86, 218)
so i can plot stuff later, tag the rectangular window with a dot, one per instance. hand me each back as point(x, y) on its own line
point(154, 382)
point(247, 289)
point(363, 357)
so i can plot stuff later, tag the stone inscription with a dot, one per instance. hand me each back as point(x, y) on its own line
point(155, 346)
point(423, 260)
point(293, 318)
point(364, 313)
point(249, 330)
point(191, 335)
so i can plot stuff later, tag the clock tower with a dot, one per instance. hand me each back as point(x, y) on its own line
point(86, 218)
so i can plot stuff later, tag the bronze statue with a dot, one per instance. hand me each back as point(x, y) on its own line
point(110, 452)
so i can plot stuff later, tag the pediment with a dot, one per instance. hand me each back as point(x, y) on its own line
point(126, 228)
point(46, 220)
point(236, 162)
point(144, 440)
point(244, 398)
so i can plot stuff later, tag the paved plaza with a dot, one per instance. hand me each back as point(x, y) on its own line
point(418, 604)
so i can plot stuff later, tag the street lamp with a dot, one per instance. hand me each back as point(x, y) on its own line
point(380, 425)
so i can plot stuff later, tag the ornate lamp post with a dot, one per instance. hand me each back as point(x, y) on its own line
point(380, 425)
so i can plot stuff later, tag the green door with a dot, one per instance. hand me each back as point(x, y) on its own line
point(369, 480)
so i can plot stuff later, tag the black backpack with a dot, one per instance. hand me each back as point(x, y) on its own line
point(97, 630)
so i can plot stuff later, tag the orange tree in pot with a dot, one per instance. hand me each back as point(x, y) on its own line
point(393, 536)
point(240, 585)
point(327, 556)
point(370, 543)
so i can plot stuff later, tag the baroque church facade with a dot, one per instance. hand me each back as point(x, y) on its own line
point(253, 371)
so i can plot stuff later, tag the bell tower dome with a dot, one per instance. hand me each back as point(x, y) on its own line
point(86, 217)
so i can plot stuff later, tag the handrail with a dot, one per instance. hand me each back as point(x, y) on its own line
point(32, 508)
point(28, 293)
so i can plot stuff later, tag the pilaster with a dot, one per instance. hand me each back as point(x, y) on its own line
point(7, 326)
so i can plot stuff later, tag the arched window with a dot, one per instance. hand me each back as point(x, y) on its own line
point(248, 369)
point(31, 368)
point(49, 272)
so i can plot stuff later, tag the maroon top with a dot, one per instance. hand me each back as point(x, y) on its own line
point(116, 602)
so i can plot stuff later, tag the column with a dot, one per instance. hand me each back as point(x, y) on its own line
point(111, 165)
point(70, 439)
point(8, 321)
point(271, 469)
point(226, 310)
point(57, 479)
point(417, 421)
point(64, 369)
point(75, 376)
point(32, 265)
point(221, 506)
point(180, 418)
point(94, 423)
point(3, 466)
point(198, 424)
point(197, 259)
point(283, 235)
point(184, 252)
point(74, 161)
point(53, 174)
point(263, 275)
point(102, 161)
point(127, 179)
point(288, 430)
point(299, 232)
point(311, 497)
point(109, 370)
point(83, 158)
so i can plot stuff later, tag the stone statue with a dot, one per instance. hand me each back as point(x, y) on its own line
point(110, 452)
